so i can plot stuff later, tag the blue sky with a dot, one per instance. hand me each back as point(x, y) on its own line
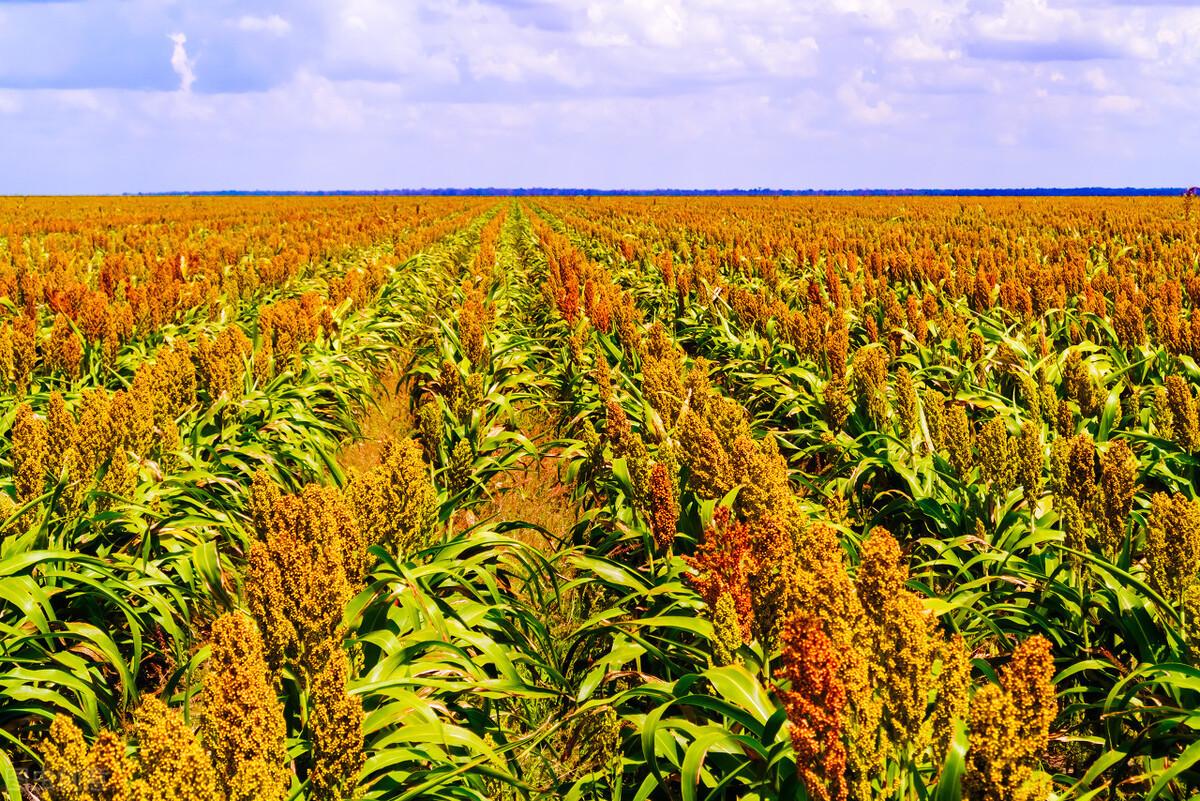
point(153, 95)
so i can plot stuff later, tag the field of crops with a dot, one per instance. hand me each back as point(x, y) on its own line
point(599, 498)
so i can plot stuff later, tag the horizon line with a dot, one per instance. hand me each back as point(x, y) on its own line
point(496, 191)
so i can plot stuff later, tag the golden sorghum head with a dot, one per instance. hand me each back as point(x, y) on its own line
point(1028, 679)
point(997, 456)
point(175, 376)
point(901, 648)
point(592, 442)
point(617, 430)
point(7, 507)
point(727, 418)
point(172, 765)
point(395, 502)
point(1173, 543)
point(996, 765)
point(64, 351)
point(1182, 403)
point(836, 403)
point(145, 403)
point(664, 506)
point(1080, 386)
point(264, 363)
point(110, 768)
point(97, 435)
point(221, 364)
point(870, 367)
point(697, 386)
point(722, 564)
point(602, 374)
point(837, 346)
point(1031, 396)
point(335, 726)
point(773, 572)
point(75, 772)
point(953, 693)
point(640, 464)
point(1031, 460)
point(975, 347)
point(473, 392)
point(958, 439)
point(271, 604)
point(24, 339)
point(662, 384)
point(815, 701)
point(762, 473)
point(120, 415)
point(30, 454)
point(299, 579)
point(1073, 523)
point(576, 343)
point(471, 330)
point(429, 427)
point(710, 469)
point(1064, 422)
point(450, 386)
point(1049, 402)
point(62, 431)
point(1079, 478)
point(727, 630)
point(1161, 414)
point(1118, 483)
point(7, 357)
point(65, 762)
point(881, 571)
point(461, 467)
point(242, 723)
point(264, 493)
point(1010, 727)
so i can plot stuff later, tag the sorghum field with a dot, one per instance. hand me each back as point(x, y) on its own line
point(599, 498)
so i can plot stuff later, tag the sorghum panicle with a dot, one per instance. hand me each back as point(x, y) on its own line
point(958, 439)
point(1182, 403)
point(1118, 484)
point(1173, 543)
point(394, 502)
point(242, 721)
point(1009, 729)
point(664, 506)
point(30, 453)
point(1031, 461)
point(815, 701)
point(997, 456)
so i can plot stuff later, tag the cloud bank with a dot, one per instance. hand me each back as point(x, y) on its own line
point(139, 95)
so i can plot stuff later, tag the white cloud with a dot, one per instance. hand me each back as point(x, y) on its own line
point(915, 48)
point(1096, 78)
point(853, 96)
point(1119, 104)
point(385, 40)
point(274, 25)
point(180, 62)
point(781, 56)
point(662, 23)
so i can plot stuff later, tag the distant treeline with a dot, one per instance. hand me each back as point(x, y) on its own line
point(541, 190)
